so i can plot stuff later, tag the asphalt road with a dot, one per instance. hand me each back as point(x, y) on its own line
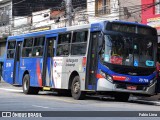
point(12, 99)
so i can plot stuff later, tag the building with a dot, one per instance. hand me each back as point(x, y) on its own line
point(102, 10)
point(151, 14)
point(5, 23)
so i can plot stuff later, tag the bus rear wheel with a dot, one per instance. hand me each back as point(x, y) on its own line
point(26, 86)
point(123, 97)
point(76, 89)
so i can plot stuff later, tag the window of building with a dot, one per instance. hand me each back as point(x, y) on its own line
point(63, 45)
point(102, 7)
point(79, 43)
point(78, 4)
point(27, 47)
point(11, 49)
point(157, 7)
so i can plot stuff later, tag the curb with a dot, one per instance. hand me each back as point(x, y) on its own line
point(157, 103)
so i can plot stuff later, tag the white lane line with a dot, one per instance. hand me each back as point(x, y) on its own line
point(12, 90)
point(39, 106)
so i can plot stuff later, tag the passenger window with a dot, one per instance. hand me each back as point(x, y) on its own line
point(28, 42)
point(38, 46)
point(39, 41)
point(11, 44)
point(27, 52)
point(27, 47)
point(80, 36)
point(63, 44)
point(64, 38)
point(79, 43)
point(11, 49)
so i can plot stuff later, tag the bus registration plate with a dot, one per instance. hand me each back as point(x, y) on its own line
point(131, 87)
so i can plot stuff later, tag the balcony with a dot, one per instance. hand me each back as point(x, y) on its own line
point(103, 11)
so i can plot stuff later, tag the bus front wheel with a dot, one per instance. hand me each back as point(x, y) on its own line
point(76, 89)
point(26, 86)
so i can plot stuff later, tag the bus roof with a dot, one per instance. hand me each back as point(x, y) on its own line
point(72, 28)
point(131, 23)
point(38, 33)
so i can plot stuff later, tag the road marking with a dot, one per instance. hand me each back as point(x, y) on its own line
point(58, 99)
point(40, 106)
point(12, 90)
point(44, 97)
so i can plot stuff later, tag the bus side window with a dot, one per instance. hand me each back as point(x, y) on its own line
point(38, 46)
point(27, 47)
point(11, 49)
point(63, 45)
point(79, 43)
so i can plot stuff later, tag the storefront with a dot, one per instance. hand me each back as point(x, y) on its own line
point(150, 14)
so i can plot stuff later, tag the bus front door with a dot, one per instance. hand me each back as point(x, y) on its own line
point(48, 62)
point(17, 63)
point(92, 61)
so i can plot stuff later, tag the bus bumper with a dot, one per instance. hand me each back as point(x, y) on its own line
point(104, 85)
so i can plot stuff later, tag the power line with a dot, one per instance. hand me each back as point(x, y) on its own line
point(18, 2)
point(102, 17)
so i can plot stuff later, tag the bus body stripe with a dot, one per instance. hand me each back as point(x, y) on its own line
point(38, 71)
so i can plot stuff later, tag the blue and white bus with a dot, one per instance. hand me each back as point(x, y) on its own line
point(110, 57)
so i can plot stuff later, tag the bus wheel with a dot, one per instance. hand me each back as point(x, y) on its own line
point(26, 86)
point(75, 89)
point(123, 97)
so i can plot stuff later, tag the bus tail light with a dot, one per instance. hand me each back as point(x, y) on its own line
point(84, 61)
point(119, 78)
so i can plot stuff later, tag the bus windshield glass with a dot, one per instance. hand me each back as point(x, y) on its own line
point(128, 50)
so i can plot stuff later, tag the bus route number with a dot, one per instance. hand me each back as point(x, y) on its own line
point(8, 64)
point(143, 80)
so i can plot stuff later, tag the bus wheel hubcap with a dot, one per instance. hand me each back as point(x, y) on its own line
point(25, 84)
point(76, 87)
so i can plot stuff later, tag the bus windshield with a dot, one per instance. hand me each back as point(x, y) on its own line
point(130, 51)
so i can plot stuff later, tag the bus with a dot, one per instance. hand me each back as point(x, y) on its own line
point(114, 58)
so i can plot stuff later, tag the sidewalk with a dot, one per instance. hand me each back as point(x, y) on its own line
point(3, 84)
point(152, 98)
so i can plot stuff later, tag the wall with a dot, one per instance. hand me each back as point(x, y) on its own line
point(20, 21)
point(5, 18)
point(2, 48)
point(130, 10)
point(41, 18)
point(149, 17)
point(91, 7)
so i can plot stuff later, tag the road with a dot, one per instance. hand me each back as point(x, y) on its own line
point(12, 99)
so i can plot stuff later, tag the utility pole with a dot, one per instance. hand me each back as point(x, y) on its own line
point(69, 12)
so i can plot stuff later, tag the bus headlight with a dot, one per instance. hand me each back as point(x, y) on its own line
point(109, 78)
point(106, 76)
